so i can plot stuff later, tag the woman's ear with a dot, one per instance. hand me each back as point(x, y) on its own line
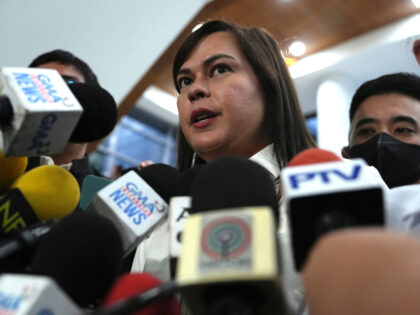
point(345, 152)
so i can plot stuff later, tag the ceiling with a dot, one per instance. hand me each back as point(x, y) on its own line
point(318, 23)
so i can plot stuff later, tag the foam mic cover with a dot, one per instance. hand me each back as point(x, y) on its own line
point(164, 179)
point(50, 190)
point(10, 169)
point(83, 254)
point(312, 156)
point(231, 182)
point(131, 293)
point(99, 113)
point(188, 177)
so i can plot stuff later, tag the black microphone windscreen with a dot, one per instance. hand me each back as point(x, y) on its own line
point(231, 182)
point(99, 113)
point(188, 177)
point(83, 254)
point(164, 179)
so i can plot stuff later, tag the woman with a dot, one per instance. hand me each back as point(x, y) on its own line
point(235, 98)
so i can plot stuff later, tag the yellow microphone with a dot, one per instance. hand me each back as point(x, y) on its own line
point(51, 191)
point(10, 169)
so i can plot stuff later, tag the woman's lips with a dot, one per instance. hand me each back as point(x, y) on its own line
point(202, 118)
point(205, 122)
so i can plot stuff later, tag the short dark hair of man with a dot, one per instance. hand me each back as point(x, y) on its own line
point(66, 58)
point(402, 83)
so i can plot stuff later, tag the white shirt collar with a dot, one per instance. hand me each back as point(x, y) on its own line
point(267, 159)
point(47, 160)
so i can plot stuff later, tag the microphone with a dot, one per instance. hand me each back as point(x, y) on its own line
point(83, 254)
point(99, 113)
point(229, 263)
point(38, 112)
point(231, 182)
point(324, 193)
point(140, 292)
point(28, 294)
point(16, 250)
point(137, 201)
point(10, 169)
point(209, 195)
point(43, 193)
point(179, 207)
point(90, 186)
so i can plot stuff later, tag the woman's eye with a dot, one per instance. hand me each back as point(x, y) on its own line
point(182, 82)
point(219, 69)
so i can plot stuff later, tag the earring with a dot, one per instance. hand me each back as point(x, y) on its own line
point(194, 158)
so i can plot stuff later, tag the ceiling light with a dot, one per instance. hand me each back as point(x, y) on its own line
point(297, 49)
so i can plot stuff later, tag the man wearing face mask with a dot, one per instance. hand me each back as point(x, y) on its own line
point(385, 127)
point(385, 132)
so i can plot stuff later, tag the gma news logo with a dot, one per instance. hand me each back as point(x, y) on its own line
point(134, 203)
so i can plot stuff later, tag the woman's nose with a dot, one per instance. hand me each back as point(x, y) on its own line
point(199, 89)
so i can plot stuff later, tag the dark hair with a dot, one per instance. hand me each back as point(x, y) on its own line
point(283, 115)
point(66, 58)
point(401, 82)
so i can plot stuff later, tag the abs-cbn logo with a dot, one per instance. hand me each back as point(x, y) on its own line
point(134, 203)
point(37, 88)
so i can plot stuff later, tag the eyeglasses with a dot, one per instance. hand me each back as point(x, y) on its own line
point(69, 79)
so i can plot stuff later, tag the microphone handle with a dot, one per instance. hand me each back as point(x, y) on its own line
point(23, 239)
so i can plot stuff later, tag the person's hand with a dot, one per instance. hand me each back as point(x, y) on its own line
point(363, 272)
point(145, 163)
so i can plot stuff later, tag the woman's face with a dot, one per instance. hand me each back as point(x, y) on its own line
point(221, 104)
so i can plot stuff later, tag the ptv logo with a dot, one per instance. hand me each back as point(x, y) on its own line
point(329, 176)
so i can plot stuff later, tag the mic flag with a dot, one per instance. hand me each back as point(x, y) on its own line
point(33, 295)
point(38, 112)
point(132, 205)
point(326, 196)
point(178, 212)
point(229, 261)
